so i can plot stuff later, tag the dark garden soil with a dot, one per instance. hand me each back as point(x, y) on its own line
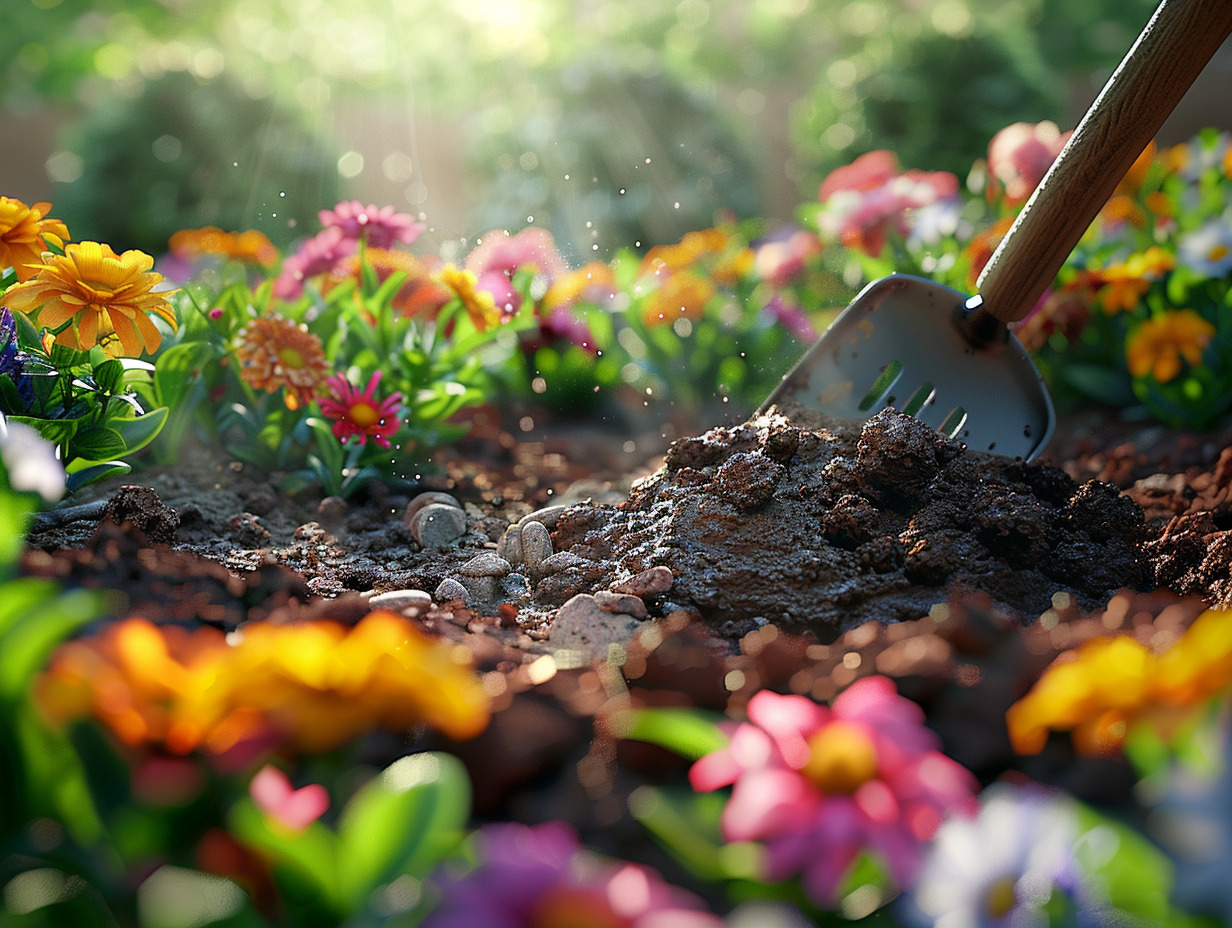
point(797, 555)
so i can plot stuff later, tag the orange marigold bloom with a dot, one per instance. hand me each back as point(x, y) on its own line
point(594, 281)
point(420, 294)
point(479, 304)
point(1158, 345)
point(983, 244)
point(691, 248)
point(309, 686)
point(682, 295)
point(91, 296)
point(1125, 283)
point(275, 352)
point(1100, 689)
point(252, 246)
point(23, 235)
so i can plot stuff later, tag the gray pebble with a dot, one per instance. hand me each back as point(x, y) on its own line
point(431, 498)
point(536, 546)
point(450, 589)
point(408, 602)
point(548, 515)
point(654, 581)
point(582, 624)
point(563, 560)
point(510, 545)
point(438, 524)
point(485, 564)
point(621, 602)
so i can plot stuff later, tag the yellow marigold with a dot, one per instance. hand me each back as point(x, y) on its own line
point(91, 296)
point(23, 235)
point(479, 304)
point(308, 687)
point(593, 280)
point(251, 246)
point(275, 352)
point(691, 248)
point(682, 295)
point(1099, 690)
point(733, 267)
point(1158, 345)
point(1126, 282)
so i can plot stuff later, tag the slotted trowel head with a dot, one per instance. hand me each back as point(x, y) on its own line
point(903, 342)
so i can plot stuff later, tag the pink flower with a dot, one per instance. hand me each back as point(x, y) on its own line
point(869, 198)
point(820, 785)
point(783, 257)
point(380, 227)
point(539, 877)
point(495, 260)
point(295, 808)
point(360, 413)
point(320, 254)
point(1020, 155)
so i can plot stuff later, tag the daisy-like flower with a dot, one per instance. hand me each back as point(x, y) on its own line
point(379, 227)
point(1208, 250)
point(319, 255)
point(360, 414)
point(91, 296)
point(819, 786)
point(23, 235)
point(275, 352)
point(540, 877)
point(478, 303)
point(1003, 867)
point(1158, 346)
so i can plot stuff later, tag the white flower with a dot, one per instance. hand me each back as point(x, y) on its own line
point(1001, 868)
point(1208, 250)
point(30, 461)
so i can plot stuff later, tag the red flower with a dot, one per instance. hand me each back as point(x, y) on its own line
point(360, 413)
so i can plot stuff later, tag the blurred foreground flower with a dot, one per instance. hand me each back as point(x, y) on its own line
point(1158, 345)
point(276, 352)
point(1020, 155)
point(309, 687)
point(1014, 865)
point(250, 247)
point(30, 462)
point(295, 809)
point(479, 304)
point(377, 226)
point(91, 296)
point(23, 235)
point(540, 877)
point(820, 786)
point(1099, 690)
point(359, 414)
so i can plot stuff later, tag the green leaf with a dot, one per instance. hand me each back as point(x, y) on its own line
point(56, 431)
point(404, 821)
point(109, 375)
point(97, 443)
point(139, 431)
point(691, 733)
point(311, 854)
point(35, 617)
point(92, 473)
point(175, 369)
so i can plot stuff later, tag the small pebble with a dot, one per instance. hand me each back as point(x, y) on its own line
point(536, 546)
point(510, 545)
point(548, 515)
point(437, 525)
point(450, 589)
point(332, 509)
point(582, 624)
point(563, 560)
point(408, 602)
point(433, 498)
point(485, 564)
point(621, 602)
point(654, 581)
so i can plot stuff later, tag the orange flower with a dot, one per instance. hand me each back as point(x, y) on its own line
point(276, 352)
point(310, 686)
point(252, 246)
point(1124, 284)
point(682, 295)
point(479, 304)
point(23, 235)
point(983, 244)
point(1101, 689)
point(91, 296)
point(694, 246)
point(419, 295)
point(1158, 345)
point(593, 282)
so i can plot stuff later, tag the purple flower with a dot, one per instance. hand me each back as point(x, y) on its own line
point(379, 227)
point(318, 255)
point(534, 877)
point(13, 359)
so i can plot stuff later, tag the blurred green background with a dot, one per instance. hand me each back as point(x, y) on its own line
point(610, 122)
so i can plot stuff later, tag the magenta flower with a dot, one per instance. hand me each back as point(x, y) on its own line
point(869, 198)
point(381, 227)
point(1020, 155)
point(320, 254)
point(360, 414)
point(820, 785)
point(500, 255)
point(539, 877)
point(295, 809)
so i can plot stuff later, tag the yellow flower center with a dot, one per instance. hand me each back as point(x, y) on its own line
point(841, 758)
point(363, 415)
point(291, 358)
point(1000, 898)
point(1218, 253)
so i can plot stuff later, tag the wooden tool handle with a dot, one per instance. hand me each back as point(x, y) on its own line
point(1172, 50)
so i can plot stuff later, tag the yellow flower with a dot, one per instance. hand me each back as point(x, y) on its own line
point(252, 246)
point(479, 304)
point(594, 281)
point(1101, 689)
point(275, 352)
point(1124, 283)
point(1157, 346)
point(91, 296)
point(308, 686)
point(682, 295)
point(23, 235)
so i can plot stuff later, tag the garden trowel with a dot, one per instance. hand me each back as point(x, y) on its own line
point(949, 359)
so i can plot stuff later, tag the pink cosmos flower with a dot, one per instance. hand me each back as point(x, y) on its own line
point(869, 198)
point(783, 256)
point(820, 785)
point(500, 255)
point(1020, 155)
point(380, 227)
point(539, 877)
point(320, 254)
point(295, 808)
point(361, 414)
